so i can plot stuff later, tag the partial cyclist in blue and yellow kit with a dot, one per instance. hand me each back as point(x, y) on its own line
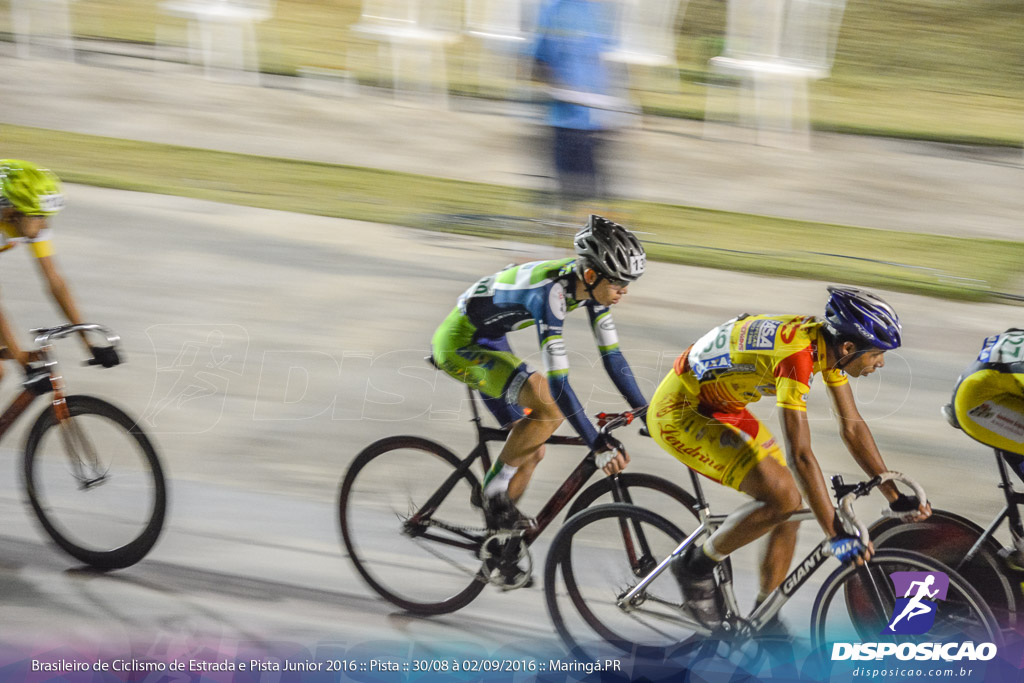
point(29, 197)
point(699, 415)
point(988, 400)
point(470, 345)
point(988, 405)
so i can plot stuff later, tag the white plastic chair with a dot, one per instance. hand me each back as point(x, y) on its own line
point(646, 31)
point(43, 23)
point(776, 48)
point(221, 33)
point(503, 28)
point(411, 32)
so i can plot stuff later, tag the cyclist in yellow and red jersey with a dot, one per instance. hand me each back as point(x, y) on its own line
point(699, 415)
point(29, 197)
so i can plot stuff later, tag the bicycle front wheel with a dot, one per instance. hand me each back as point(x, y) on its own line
point(857, 604)
point(95, 483)
point(597, 558)
point(948, 537)
point(409, 525)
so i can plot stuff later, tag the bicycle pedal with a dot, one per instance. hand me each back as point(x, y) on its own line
point(510, 578)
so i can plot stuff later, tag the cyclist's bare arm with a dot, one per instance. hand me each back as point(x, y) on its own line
point(61, 294)
point(806, 471)
point(857, 436)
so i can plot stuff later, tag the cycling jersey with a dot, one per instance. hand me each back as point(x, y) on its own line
point(470, 345)
point(753, 356)
point(699, 412)
point(988, 399)
point(40, 244)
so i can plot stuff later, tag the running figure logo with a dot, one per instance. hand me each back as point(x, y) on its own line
point(914, 613)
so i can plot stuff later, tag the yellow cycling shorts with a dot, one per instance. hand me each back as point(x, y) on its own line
point(722, 446)
point(989, 406)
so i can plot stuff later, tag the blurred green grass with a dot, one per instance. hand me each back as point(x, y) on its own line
point(949, 70)
point(934, 265)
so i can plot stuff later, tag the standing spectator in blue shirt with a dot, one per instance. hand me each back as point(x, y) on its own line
point(571, 37)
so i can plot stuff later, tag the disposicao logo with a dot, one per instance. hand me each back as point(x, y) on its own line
point(914, 613)
point(917, 598)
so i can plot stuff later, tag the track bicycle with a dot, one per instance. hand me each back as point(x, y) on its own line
point(412, 524)
point(92, 476)
point(605, 588)
point(970, 549)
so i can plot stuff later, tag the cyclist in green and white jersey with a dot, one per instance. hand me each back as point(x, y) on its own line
point(470, 345)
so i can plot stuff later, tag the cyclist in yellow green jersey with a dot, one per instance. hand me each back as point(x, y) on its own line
point(471, 347)
point(29, 197)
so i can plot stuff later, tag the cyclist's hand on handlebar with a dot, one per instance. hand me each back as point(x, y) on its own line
point(105, 356)
point(847, 548)
point(909, 509)
point(612, 461)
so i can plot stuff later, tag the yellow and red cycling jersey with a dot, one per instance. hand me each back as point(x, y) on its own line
point(41, 245)
point(752, 356)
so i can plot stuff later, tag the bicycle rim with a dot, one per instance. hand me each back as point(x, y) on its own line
point(95, 483)
point(594, 560)
point(411, 565)
point(856, 604)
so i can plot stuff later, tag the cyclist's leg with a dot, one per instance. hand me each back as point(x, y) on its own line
point(524, 448)
point(737, 450)
point(507, 385)
point(9, 347)
point(776, 497)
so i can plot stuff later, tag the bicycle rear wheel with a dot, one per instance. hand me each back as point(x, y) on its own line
point(596, 558)
point(947, 537)
point(422, 560)
point(856, 604)
point(95, 483)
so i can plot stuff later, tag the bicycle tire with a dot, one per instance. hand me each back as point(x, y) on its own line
point(373, 553)
point(633, 481)
point(962, 616)
point(128, 526)
point(946, 537)
point(598, 558)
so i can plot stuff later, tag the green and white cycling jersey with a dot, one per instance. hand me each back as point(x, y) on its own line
point(471, 346)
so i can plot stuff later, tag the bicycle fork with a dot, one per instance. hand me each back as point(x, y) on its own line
point(81, 454)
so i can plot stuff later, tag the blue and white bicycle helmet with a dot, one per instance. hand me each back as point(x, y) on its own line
point(861, 315)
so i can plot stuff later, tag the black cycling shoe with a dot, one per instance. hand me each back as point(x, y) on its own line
point(701, 597)
point(502, 514)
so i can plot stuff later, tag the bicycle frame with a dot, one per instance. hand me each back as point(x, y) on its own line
point(50, 382)
point(767, 610)
point(18, 407)
point(1010, 511)
point(573, 484)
